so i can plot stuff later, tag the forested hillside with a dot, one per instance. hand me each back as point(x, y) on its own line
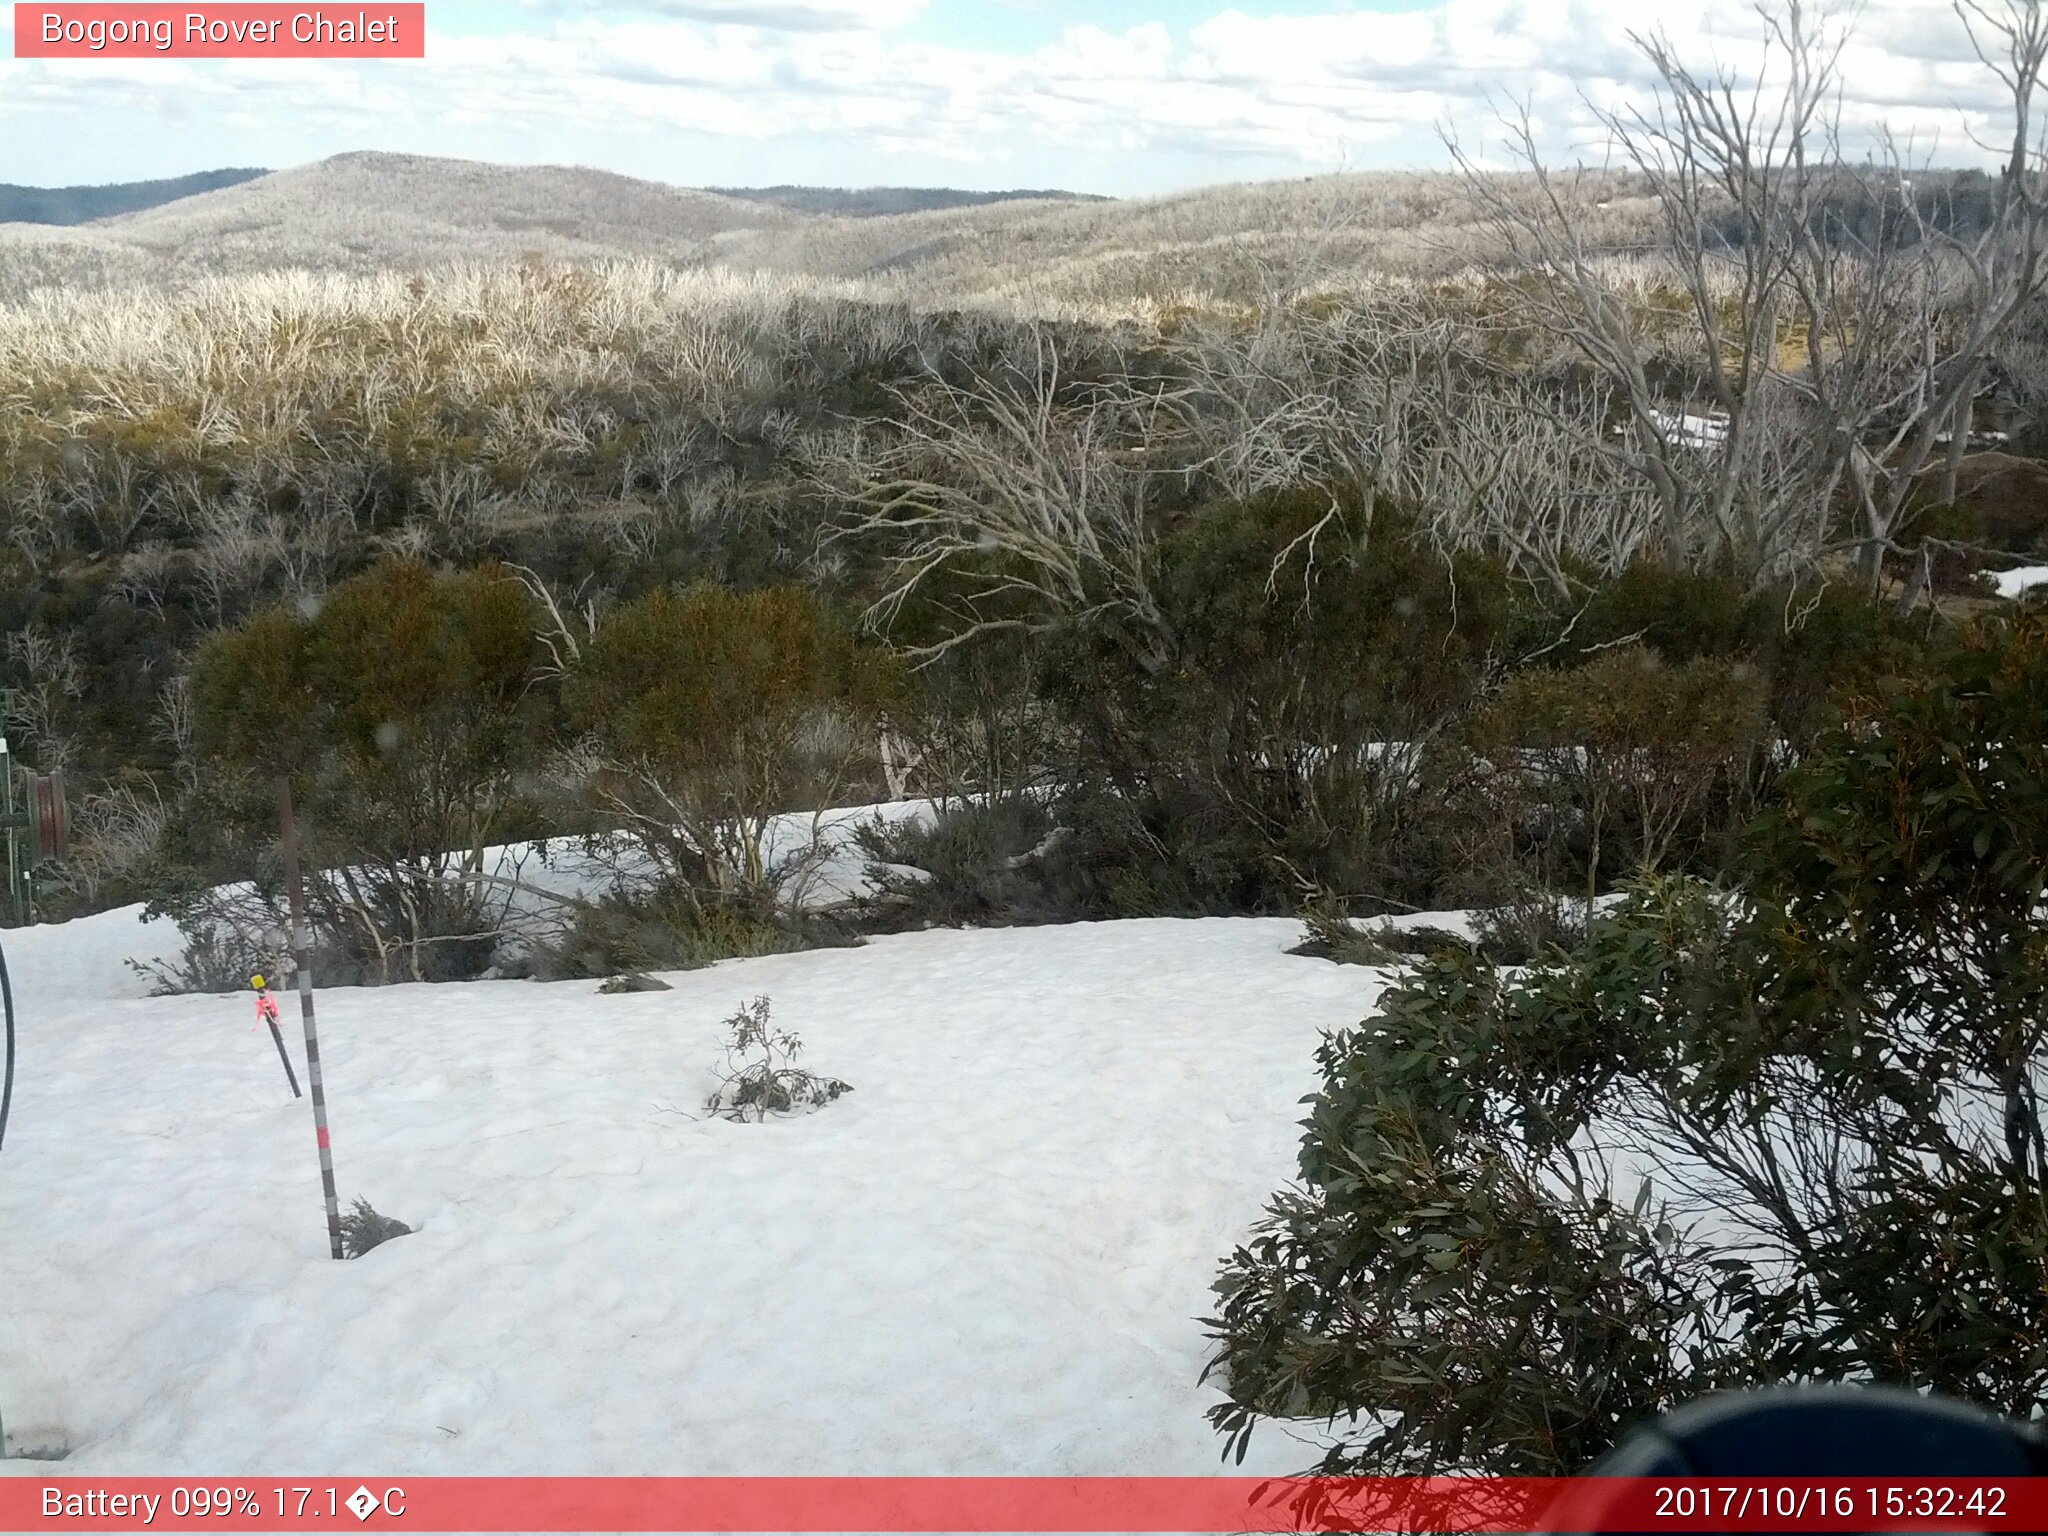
point(81, 205)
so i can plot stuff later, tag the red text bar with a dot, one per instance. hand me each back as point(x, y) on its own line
point(1223, 1505)
point(261, 31)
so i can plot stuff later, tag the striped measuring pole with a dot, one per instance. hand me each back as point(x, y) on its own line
point(302, 945)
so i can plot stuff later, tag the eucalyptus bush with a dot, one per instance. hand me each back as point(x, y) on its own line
point(402, 708)
point(1784, 1129)
point(708, 712)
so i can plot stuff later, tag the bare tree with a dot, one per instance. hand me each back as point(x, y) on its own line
point(172, 724)
point(1831, 353)
point(1525, 471)
point(116, 833)
point(49, 679)
point(144, 575)
point(564, 636)
point(229, 559)
point(1301, 397)
point(1030, 492)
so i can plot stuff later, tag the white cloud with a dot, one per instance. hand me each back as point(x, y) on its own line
point(771, 15)
point(1307, 88)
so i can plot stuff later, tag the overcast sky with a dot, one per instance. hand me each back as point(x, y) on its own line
point(1115, 96)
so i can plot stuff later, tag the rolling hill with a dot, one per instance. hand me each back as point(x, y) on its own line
point(360, 213)
point(368, 212)
point(376, 211)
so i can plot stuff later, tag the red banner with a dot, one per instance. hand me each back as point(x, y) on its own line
point(1019, 1504)
point(241, 31)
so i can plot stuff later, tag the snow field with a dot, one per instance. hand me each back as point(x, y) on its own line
point(2016, 583)
point(989, 1258)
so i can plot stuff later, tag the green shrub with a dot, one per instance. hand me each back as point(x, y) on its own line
point(363, 1228)
point(403, 709)
point(712, 711)
point(978, 725)
point(1426, 1279)
point(1679, 612)
point(1271, 759)
point(1830, 1072)
point(1808, 641)
point(1308, 633)
point(760, 1078)
point(675, 927)
point(1835, 641)
point(1650, 757)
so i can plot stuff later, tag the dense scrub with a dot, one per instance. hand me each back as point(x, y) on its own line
point(1782, 1126)
point(1318, 708)
point(1256, 609)
point(1369, 726)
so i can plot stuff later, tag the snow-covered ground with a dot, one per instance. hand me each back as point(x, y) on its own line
point(818, 856)
point(2018, 582)
point(989, 1258)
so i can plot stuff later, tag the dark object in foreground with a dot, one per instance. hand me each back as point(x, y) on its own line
point(363, 1229)
point(1813, 1432)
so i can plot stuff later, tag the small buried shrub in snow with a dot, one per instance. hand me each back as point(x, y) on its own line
point(676, 927)
point(31, 1447)
point(219, 956)
point(363, 1229)
point(632, 981)
point(1533, 925)
point(760, 1076)
point(1333, 936)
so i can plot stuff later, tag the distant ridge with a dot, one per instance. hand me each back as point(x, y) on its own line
point(369, 211)
point(382, 213)
point(880, 202)
point(81, 205)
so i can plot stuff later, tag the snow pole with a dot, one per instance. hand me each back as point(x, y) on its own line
point(302, 944)
point(266, 1010)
